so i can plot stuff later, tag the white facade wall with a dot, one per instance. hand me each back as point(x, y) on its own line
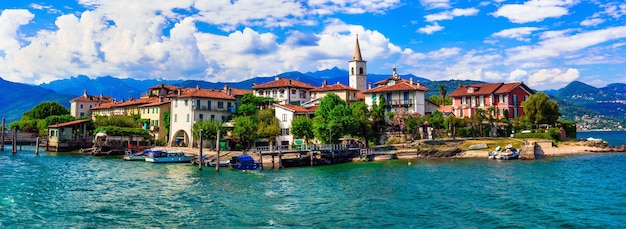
point(185, 112)
point(417, 97)
point(285, 117)
point(301, 95)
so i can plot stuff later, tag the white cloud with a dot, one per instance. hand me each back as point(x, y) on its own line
point(592, 22)
point(519, 33)
point(10, 22)
point(559, 45)
point(430, 29)
point(534, 10)
point(433, 4)
point(451, 14)
point(552, 78)
point(517, 75)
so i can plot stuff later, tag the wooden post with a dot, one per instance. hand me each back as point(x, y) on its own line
point(261, 158)
point(200, 158)
point(272, 159)
point(311, 157)
point(217, 164)
point(2, 136)
point(280, 159)
point(37, 146)
point(14, 141)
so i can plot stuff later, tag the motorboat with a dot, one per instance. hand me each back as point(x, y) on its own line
point(160, 156)
point(509, 153)
point(244, 162)
point(129, 155)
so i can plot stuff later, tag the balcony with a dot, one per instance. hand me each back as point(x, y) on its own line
point(400, 103)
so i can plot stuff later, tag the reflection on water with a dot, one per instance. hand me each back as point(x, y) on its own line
point(66, 190)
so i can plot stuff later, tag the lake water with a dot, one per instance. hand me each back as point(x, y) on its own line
point(64, 190)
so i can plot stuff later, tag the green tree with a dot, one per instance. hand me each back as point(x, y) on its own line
point(46, 109)
point(209, 130)
point(361, 116)
point(452, 123)
point(245, 129)
point(42, 124)
point(377, 114)
point(166, 123)
point(302, 127)
point(539, 109)
point(117, 120)
point(442, 92)
point(268, 125)
point(333, 119)
point(437, 100)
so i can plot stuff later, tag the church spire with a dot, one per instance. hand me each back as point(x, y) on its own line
point(357, 50)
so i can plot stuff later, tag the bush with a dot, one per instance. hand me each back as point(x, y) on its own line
point(554, 133)
point(160, 142)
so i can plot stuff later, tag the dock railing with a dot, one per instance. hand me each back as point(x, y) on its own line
point(311, 147)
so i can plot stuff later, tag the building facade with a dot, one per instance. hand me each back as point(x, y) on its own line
point(81, 106)
point(193, 105)
point(284, 91)
point(155, 112)
point(399, 94)
point(285, 115)
point(466, 100)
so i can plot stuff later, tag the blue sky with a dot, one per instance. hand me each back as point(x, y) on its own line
point(544, 43)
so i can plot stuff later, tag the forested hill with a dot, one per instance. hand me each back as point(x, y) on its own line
point(18, 98)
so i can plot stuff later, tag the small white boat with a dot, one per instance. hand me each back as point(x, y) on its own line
point(509, 153)
point(131, 156)
point(224, 163)
point(159, 156)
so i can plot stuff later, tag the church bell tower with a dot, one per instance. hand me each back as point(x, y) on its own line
point(357, 68)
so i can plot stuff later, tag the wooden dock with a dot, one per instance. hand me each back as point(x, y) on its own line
point(304, 155)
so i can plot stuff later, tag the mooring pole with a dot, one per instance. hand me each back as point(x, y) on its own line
point(280, 159)
point(37, 146)
point(217, 162)
point(14, 141)
point(200, 158)
point(2, 136)
point(311, 157)
point(261, 158)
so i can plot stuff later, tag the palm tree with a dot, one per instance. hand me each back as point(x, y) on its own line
point(442, 92)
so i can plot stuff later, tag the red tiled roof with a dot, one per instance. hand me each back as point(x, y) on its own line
point(168, 87)
point(204, 93)
point(479, 89)
point(92, 98)
point(297, 109)
point(508, 87)
point(237, 91)
point(157, 103)
point(444, 109)
point(402, 86)
point(132, 102)
point(283, 82)
point(334, 87)
point(71, 123)
point(360, 95)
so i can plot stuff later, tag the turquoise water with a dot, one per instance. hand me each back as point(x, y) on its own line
point(64, 190)
point(614, 138)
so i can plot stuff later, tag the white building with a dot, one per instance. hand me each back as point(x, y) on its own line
point(285, 115)
point(399, 94)
point(194, 104)
point(81, 106)
point(358, 69)
point(284, 91)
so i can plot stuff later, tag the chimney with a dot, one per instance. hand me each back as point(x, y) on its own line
point(161, 99)
point(324, 83)
point(198, 86)
point(253, 84)
point(225, 87)
point(85, 93)
point(411, 81)
point(418, 83)
point(395, 74)
point(289, 81)
point(369, 85)
point(277, 77)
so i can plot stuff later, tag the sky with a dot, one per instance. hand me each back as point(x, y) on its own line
point(544, 43)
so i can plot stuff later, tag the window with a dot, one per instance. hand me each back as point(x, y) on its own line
point(81, 106)
point(175, 102)
point(212, 117)
point(514, 112)
point(223, 118)
point(201, 116)
point(186, 102)
point(220, 104)
point(293, 91)
point(361, 71)
point(187, 117)
point(82, 114)
point(284, 117)
point(261, 93)
point(302, 94)
point(481, 100)
point(209, 105)
point(525, 97)
point(515, 101)
point(229, 105)
point(175, 118)
point(198, 104)
point(89, 106)
point(373, 98)
point(464, 100)
point(501, 112)
point(352, 71)
point(473, 101)
point(284, 131)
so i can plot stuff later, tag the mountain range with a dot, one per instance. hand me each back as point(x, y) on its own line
point(577, 98)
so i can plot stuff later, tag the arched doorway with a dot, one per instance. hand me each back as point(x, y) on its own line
point(180, 138)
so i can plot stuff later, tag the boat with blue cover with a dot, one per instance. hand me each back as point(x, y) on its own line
point(244, 162)
point(160, 156)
